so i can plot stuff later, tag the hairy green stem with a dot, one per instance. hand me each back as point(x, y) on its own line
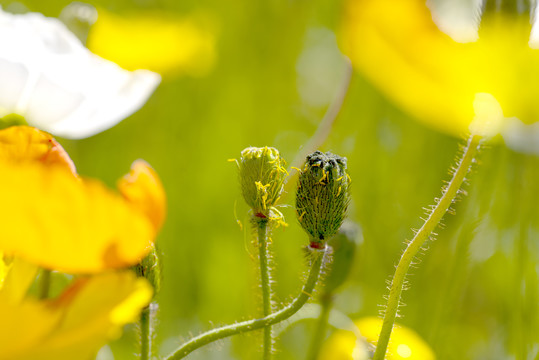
point(44, 284)
point(417, 242)
point(146, 334)
point(263, 254)
point(317, 263)
point(321, 325)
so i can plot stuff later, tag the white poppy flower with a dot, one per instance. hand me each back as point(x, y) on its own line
point(58, 85)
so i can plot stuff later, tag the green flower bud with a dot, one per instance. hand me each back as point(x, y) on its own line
point(150, 269)
point(322, 197)
point(344, 247)
point(262, 174)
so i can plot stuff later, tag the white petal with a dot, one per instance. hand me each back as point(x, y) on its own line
point(14, 76)
point(520, 137)
point(58, 84)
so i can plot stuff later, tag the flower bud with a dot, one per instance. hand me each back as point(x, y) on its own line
point(150, 269)
point(322, 197)
point(262, 174)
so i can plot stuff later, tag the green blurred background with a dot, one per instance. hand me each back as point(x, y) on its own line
point(474, 295)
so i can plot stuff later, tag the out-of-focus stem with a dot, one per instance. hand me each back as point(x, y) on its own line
point(146, 334)
point(321, 325)
point(44, 284)
point(324, 128)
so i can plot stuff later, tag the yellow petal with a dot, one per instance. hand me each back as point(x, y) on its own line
point(53, 219)
point(19, 275)
point(143, 189)
point(3, 271)
point(488, 118)
point(399, 48)
point(20, 144)
point(16, 315)
point(23, 326)
point(75, 325)
point(405, 343)
point(154, 41)
point(340, 346)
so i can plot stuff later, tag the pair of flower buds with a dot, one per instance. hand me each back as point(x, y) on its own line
point(322, 195)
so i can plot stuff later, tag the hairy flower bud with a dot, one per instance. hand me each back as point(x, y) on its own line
point(150, 269)
point(323, 195)
point(262, 173)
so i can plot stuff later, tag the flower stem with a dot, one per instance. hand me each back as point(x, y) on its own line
point(449, 195)
point(146, 334)
point(321, 324)
point(317, 262)
point(263, 254)
point(44, 284)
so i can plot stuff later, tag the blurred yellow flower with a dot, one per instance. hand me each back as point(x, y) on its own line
point(157, 41)
point(397, 45)
point(54, 219)
point(75, 325)
point(405, 343)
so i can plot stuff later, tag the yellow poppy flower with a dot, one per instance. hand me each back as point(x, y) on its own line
point(156, 41)
point(405, 343)
point(73, 326)
point(398, 47)
point(56, 220)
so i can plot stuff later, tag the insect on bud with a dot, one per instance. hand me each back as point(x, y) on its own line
point(262, 173)
point(322, 197)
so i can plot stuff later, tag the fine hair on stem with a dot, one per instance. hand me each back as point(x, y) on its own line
point(449, 194)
